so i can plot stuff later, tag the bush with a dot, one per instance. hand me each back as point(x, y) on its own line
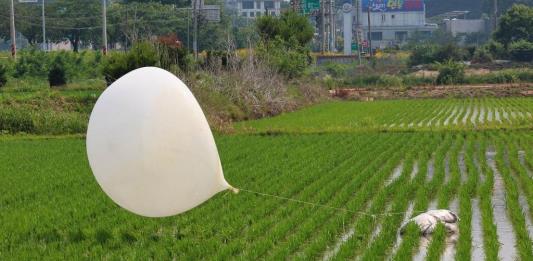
point(118, 64)
point(429, 53)
point(335, 69)
point(31, 63)
point(482, 55)
point(3, 74)
point(521, 51)
point(497, 50)
point(451, 72)
point(287, 58)
point(422, 54)
point(57, 74)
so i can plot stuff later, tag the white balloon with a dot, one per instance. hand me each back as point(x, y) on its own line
point(150, 147)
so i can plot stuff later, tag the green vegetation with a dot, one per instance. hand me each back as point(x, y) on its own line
point(53, 208)
point(408, 115)
point(451, 73)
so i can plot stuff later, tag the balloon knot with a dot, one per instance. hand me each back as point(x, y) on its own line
point(234, 190)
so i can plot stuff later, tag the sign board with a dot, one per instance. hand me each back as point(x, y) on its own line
point(309, 6)
point(211, 13)
point(354, 47)
point(393, 5)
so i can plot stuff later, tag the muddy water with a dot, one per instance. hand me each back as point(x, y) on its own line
point(478, 169)
point(465, 118)
point(473, 119)
point(505, 115)
point(377, 230)
point(497, 115)
point(489, 115)
point(423, 248)
point(447, 175)
point(415, 170)
point(406, 218)
point(478, 252)
point(395, 174)
point(504, 228)
point(447, 121)
point(344, 237)
point(451, 241)
point(456, 118)
point(525, 210)
point(431, 169)
point(462, 167)
point(481, 118)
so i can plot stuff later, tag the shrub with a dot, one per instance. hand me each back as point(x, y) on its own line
point(3, 74)
point(389, 81)
point(429, 53)
point(287, 58)
point(497, 50)
point(451, 72)
point(117, 64)
point(335, 69)
point(521, 51)
point(422, 54)
point(482, 55)
point(449, 52)
point(31, 63)
point(57, 74)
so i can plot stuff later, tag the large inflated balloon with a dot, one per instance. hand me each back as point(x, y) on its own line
point(150, 146)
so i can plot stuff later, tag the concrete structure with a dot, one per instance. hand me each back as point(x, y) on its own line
point(392, 22)
point(463, 26)
point(252, 9)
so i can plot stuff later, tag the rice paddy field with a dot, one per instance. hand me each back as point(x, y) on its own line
point(342, 178)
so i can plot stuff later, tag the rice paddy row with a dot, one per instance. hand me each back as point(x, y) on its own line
point(51, 206)
point(400, 115)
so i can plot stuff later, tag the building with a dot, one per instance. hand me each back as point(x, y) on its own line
point(465, 26)
point(392, 22)
point(252, 9)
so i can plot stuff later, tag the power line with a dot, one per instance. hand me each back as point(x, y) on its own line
point(138, 21)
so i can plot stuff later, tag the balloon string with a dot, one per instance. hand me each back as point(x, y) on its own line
point(327, 206)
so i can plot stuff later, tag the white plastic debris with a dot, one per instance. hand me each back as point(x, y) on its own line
point(428, 221)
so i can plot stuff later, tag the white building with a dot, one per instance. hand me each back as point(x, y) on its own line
point(465, 26)
point(252, 9)
point(392, 22)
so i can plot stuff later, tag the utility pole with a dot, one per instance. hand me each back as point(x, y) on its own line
point(495, 15)
point(369, 33)
point(323, 24)
point(332, 29)
point(195, 28)
point(13, 36)
point(44, 28)
point(104, 26)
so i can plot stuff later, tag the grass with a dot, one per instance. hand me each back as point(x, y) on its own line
point(52, 208)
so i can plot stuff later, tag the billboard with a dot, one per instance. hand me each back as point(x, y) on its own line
point(309, 6)
point(393, 5)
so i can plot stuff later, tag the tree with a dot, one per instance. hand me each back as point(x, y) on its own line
point(289, 25)
point(79, 21)
point(515, 25)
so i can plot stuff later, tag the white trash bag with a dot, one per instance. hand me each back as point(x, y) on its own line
point(427, 222)
point(150, 147)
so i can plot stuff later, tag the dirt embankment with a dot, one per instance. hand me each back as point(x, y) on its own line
point(492, 90)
